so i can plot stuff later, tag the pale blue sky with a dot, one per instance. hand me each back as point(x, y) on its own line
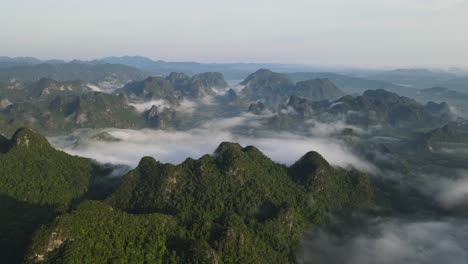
point(362, 33)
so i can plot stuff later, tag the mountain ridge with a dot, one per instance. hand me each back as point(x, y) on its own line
point(232, 206)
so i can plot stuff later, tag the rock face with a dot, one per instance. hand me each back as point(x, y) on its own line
point(300, 106)
point(81, 119)
point(4, 104)
point(24, 138)
point(152, 116)
point(56, 239)
point(160, 119)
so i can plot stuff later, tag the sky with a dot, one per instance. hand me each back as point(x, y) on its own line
point(363, 33)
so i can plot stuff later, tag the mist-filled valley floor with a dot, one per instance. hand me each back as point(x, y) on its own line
point(293, 167)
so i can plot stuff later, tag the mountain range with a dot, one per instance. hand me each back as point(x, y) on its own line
point(373, 108)
point(138, 67)
point(232, 206)
point(49, 105)
point(236, 205)
point(174, 86)
point(99, 74)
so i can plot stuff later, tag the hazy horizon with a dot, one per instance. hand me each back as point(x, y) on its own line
point(314, 67)
point(359, 33)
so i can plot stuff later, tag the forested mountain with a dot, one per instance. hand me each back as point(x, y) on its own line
point(274, 88)
point(36, 183)
point(148, 89)
point(234, 206)
point(374, 107)
point(318, 90)
point(175, 86)
point(66, 110)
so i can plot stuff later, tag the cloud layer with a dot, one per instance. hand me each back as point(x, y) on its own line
point(392, 241)
point(176, 146)
point(449, 191)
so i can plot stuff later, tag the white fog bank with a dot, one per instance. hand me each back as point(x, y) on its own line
point(176, 146)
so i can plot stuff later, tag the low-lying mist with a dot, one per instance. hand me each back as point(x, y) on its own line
point(129, 146)
point(425, 222)
point(390, 240)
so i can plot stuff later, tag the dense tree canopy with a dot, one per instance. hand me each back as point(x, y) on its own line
point(36, 183)
point(236, 206)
